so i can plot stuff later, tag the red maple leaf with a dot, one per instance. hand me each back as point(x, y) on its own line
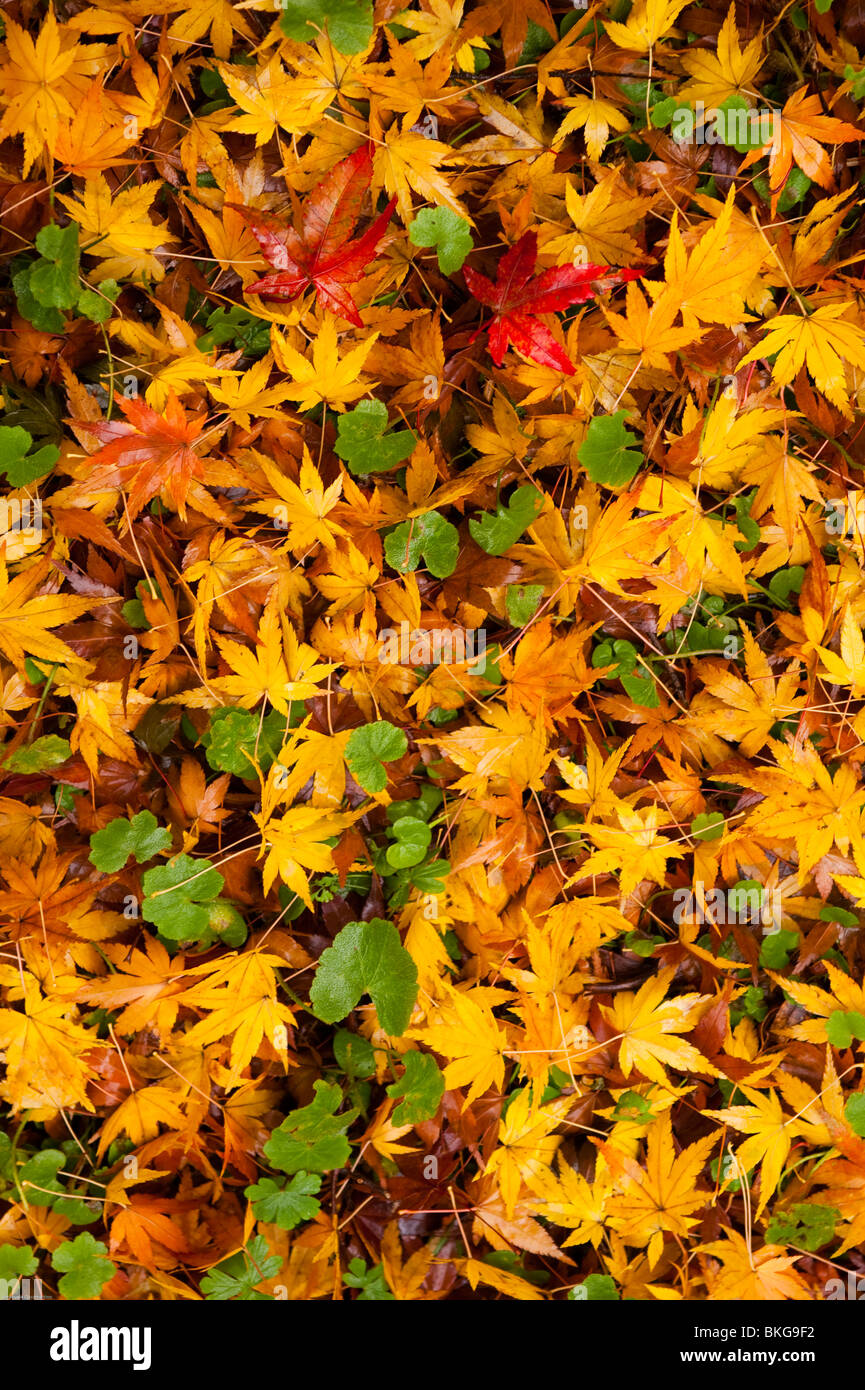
point(321, 254)
point(149, 453)
point(518, 295)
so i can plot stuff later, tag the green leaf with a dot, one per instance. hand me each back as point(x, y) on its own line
point(447, 232)
point(312, 1139)
point(633, 1107)
point(728, 128)
point(663, 112)
point(236, 1277)
point(854, 1111)
point(822, 6)
point(17, 1262)
point(495, 532)
point(786, 582)
point(98, 305)
point(776, 948)
point(642, 690)
point(641, 945)
point(175, 894)
point(421, 1085)
point(521, 602)
point(364, 444)
point(234, 324)
point(227, 923)
point(237, 736)
point(708, 825)
point(412, 842)
point(430, 536)
point(83, 1266)
point(851, 75)
point(831, 913)
point(807, 1225)
point(285, 1204)
point(142, 836)
point(54, 278)
point(369, 748)
point(427, 878)
point(354, 1054)
point(22, 468)
point(621, 654)
point(41, 755)
point(842, 1028)
point(348, 22)
point(745, 522)
point(133, 613)
point(371, 1282)
point(38, 1177)
point(607, 453)
point(366, 958)
point(47, 320)
point(595, 1288)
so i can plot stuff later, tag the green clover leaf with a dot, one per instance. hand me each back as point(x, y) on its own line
point(141, 836)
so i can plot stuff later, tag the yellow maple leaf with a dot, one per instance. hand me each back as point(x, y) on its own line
point(509, 746)
point(405, 1278)
point(467, 1031)
point(500, 1279)
point(280, 667)
point(382, 1134)
point(526, 1143)
point(42, 1049)
point(120, 230)
point(437, 27)
point(405, 162)
point(568, 1199)
point(347, 579)
point(647, 22)
point(633, 848)
point(296, 844)
point(746, 1274)
point(27, 617)
point(848, 668)
point(746, 711)
point(730, 71)
point(271, 100)
point(596, 117)
point(590, 787)
point(650, 332)
point(240, 996)
point(140, 1115)
point(603, 219)
point(220, 18)
point(771, 1136)
point(38, 84)
point(646, 1020)
point(249, 394)
point(329, 379)
point(315, 755)
point(662, 1197)
point(301, 508)
point(710, 283)
point(144, 986)
point(784, 480)
point(822, 342)
point(846, 995)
